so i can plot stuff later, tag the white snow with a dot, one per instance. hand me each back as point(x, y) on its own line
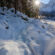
point(30, 37)
point(48, 9)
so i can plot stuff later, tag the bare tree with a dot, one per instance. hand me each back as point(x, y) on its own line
point(16, 5)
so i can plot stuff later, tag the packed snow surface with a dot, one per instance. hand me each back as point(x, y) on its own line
point(21, 35)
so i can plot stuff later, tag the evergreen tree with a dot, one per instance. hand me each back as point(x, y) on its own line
point(2, 4)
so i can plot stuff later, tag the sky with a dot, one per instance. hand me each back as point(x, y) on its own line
point(45, 1)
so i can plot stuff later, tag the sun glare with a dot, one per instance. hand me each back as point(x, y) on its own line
point(37, 2)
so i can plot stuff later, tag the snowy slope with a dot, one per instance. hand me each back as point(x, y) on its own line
point(21, 35)
point(48, 8)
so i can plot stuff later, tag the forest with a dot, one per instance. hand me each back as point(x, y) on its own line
point(24, 6)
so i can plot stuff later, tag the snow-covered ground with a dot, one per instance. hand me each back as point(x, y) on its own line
point(48, 9)
point(21, 35)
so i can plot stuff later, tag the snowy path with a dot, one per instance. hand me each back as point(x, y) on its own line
point(51, 27)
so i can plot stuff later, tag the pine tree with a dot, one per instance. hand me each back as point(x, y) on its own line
point(8, 3)
point(2, 4)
